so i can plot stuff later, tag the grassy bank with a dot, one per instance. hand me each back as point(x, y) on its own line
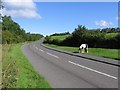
point(107, 53)
point(0, 66)
point(17, 71)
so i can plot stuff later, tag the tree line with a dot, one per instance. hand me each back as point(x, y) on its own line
point(97, 38)
point(13, 33)
point(59, 34)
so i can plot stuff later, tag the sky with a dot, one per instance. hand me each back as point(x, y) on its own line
point(56, 17)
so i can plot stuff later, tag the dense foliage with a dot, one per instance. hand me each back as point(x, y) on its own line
point(105, 38)
point(13, 33)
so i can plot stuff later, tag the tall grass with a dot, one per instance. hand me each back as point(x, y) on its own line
point(17, 71)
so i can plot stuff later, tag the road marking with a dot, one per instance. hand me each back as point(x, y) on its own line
point(41, 50)
point(93, 70)
point(36, 47)
point(52, 55)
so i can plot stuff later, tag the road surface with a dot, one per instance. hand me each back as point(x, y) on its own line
point(66, 71)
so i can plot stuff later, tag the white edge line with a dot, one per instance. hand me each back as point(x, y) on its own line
point(93, 70)
point(52, 55)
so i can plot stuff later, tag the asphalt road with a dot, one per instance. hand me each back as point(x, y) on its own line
point(66, 71)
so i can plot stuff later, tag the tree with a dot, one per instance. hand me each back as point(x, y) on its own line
point(78, 35)
point(13, 33)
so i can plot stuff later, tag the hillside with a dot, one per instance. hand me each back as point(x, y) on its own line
point(13, 33)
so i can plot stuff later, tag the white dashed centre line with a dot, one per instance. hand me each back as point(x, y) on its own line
point(93, 70)
point(41, 50)
point(52, 55)
point(36, 47)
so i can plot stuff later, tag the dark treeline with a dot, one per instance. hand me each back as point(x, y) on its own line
point(13, 33)
point(59, 34)
point(97, 38)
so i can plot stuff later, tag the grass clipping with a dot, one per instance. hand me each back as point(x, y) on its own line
point(17, 71)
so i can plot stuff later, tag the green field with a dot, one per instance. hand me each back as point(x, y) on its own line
point(107, 53)
point(62, 37)
point(17, 70)
point(111, 35)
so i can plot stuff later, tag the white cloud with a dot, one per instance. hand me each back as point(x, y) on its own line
point(20, 9)
point(103, 23)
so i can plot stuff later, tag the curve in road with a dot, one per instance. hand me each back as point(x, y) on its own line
point(65, 71)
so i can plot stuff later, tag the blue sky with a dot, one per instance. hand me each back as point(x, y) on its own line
point(55, 17)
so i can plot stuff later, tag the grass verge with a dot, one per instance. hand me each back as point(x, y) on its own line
point(0, 66)
point(17, 71)
point(107, 53)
